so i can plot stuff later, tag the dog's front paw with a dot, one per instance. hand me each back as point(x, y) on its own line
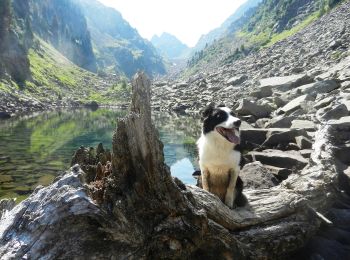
point(229, 198)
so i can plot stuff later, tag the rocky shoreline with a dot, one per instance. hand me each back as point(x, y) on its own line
point(16, 109)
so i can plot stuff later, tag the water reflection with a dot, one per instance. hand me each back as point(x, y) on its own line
point(35, 149)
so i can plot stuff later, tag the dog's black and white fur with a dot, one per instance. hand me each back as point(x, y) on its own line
point(219, 156)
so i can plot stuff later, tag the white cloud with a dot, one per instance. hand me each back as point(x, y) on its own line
point(186, 19)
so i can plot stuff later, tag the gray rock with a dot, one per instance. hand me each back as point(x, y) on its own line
point(283, 138)
point(247, 107)
point(306, 153)
point(261, 122)
point(6, 205)
point(263, 91)
point(253, 137)
point(303, 142)
point(333, 113)
point(280, 173)
point(281, 121)
point(296, 103)
point(303, 124)
point(341, 123)
point(324, 102)
point(342, 153)
point(256, 176)
point(290, 160)
point(318, 87)
point(285, 83)
point(237, 80)
point(346, 103)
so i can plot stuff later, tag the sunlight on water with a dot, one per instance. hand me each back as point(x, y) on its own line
point(183, 169)
point(35, 149)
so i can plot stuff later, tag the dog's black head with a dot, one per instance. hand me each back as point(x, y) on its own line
point(221, 120)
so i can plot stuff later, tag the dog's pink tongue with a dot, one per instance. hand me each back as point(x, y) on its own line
point(232, 137)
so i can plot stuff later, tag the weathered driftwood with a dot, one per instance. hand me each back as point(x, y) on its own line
point(145, 213)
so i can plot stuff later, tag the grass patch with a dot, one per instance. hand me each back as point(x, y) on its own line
point(287, 33)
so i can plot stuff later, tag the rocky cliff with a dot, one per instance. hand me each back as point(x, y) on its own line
point(15, 38)
point(61, 23)
point(119, 47)
point(219, 32)
point(260, 27)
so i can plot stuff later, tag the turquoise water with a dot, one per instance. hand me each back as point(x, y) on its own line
point(34, 149)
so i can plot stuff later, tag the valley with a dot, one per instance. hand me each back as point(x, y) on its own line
point(67, 79)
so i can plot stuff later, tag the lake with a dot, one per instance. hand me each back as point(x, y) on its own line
point(36, 148)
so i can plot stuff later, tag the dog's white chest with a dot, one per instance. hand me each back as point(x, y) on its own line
point(218, 157)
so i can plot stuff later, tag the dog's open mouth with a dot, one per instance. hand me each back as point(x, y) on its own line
point(229, 134)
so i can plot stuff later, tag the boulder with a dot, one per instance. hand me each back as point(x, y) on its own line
point(247, 107)
point(346, 103)
point(285, 83)
point(296, 103)
point(6, 205)
point(335, 112)
point(261, 122)
point(306, 153)
point(343, 122)
point(278, 158)
point(282, 138)
point(253, 137)
point(281, 121)
point(280, 173)
point(342, 153)
point(256, 176)
point(263, 91)
point(236, 80)
point(318, 87)
point(303, 124)
point(303, 142)
point(324, 102)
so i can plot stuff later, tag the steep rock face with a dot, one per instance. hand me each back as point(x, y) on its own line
point(281, 15)
point(61, 23)
point(266, 23)
point(119, 45)
point(217, 33)
point(15, 38)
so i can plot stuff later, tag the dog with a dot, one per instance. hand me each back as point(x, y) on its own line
point(220, 155)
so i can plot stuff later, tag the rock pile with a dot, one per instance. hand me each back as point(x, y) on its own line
point(310, 59)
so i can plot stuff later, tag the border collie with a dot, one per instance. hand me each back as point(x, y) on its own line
point(219, 155)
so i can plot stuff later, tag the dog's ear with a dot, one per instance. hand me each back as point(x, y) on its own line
point(207, 111)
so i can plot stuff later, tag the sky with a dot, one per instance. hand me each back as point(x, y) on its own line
point(186, 19)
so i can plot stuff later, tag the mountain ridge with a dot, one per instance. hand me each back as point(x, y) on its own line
point(118, 46)
point(170, 46)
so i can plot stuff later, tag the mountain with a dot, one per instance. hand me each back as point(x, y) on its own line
point(118, 47)
point(14, 43)
point(215, 34)
point(259, 27)
point(170, 46)
point(47, 58)
point(62, 24)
